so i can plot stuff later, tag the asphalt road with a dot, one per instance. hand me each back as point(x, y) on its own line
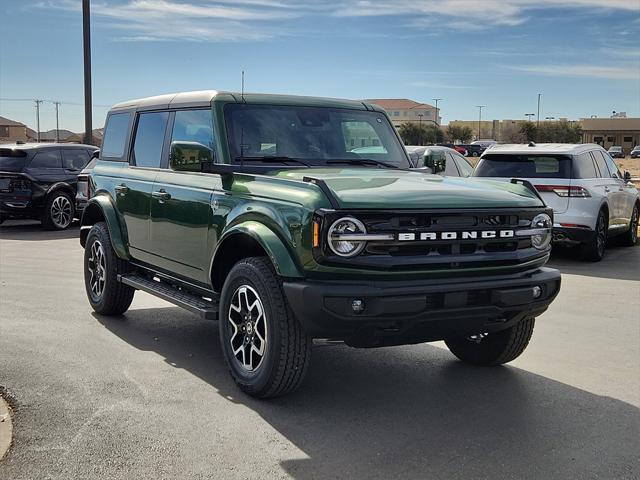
point(147, 395)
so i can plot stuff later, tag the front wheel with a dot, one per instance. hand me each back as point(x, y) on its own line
point(106, 294)
point(264, 345)
point(631, 237)
point(490, 349)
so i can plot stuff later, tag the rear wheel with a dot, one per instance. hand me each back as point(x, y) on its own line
point(58, 212)
point(631, 237)
point(594, 249)
point(490, 349)
point(106, 294)
point(264, 345)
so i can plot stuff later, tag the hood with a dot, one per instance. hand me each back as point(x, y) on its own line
point(370, 188)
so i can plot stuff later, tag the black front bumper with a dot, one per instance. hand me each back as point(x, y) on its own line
point(397, 313)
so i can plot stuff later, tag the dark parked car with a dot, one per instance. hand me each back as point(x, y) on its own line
point(635, 153)
point(84, 180)
point(473, 149)
point(440, 160)
point(458, 148)
point(616, 152)
point(38, 181)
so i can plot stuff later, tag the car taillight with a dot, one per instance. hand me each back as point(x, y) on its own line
point(564, 190)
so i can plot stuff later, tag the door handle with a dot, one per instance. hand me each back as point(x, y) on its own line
point(161, 195)
point(121, 189)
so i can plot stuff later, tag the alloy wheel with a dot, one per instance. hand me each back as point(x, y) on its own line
point(61, 212)
point(97, 269)
point(634, 225)
point(601, 235)
point(247, 319)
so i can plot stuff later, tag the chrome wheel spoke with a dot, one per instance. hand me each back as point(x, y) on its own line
point(97, 269)
point(248, 328)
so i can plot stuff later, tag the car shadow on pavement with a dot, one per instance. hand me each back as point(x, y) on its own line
point(33, 231)
point(619, 262)
point(412, 412)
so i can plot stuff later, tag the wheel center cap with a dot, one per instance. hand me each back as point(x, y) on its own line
point(249, 328)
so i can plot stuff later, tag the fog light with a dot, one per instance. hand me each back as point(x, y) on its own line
point(537, 291)
point(357, 305)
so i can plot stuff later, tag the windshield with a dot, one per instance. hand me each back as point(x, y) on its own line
point(12, 160)
point(524, 166)
point(312, 136)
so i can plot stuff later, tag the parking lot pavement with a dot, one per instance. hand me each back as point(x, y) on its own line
point(147, 395)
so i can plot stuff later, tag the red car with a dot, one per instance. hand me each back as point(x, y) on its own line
point(457, 148)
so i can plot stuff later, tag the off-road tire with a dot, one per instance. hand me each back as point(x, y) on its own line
point(593, 251)
point(288, 348)
point(495, 348)
point(631, 236)
point(116, 297)
point(48, 221)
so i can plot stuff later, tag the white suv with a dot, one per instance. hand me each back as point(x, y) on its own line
point(590, 198)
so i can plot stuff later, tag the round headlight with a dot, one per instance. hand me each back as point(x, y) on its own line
point(343, 235)
point(541, 240)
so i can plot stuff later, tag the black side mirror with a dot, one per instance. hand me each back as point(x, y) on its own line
point(435, 161)
point(627, 175)
point(190, 157)
point(95, 154)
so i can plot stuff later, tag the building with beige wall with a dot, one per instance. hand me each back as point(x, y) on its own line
point(12, 131)
point(624, 132)
point(403, 110)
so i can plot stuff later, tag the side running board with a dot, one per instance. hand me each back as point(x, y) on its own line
point(205, 309)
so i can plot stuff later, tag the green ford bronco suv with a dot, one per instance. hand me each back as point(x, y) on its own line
point(292, 218)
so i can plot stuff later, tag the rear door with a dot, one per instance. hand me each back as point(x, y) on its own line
point(611, 189)
point(626, 193)
point(73, 161)
point(549, 173)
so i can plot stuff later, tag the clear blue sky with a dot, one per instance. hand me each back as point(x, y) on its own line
point(582, 57)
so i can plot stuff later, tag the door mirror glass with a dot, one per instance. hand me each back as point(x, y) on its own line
point(436, 161)
point(190, 157)
point(627, 175)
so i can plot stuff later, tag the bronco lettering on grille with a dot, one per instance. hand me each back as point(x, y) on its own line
point(463, 235)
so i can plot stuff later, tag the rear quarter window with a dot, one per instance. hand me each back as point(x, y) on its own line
point(12, 160)
point(115, 136)
point(524, 166)
point(47, 159)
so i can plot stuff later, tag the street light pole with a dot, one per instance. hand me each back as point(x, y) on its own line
point(38, 102)
point(86, 42)
point(57, 104)
point(480, 107)
point(529, 115)
point(437, 111)
point(538, 121)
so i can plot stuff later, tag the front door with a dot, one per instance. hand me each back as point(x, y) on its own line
point(183, 202)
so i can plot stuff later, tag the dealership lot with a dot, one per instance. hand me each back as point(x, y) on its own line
point(148, 394)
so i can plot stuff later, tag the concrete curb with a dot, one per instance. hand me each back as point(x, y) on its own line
point(6, 428)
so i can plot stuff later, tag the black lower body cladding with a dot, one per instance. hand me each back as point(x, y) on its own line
point(373, 314)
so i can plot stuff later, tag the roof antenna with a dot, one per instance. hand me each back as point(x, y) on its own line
point(242, 90)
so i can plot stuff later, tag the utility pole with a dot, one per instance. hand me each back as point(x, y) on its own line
point(38, 102)
point(437, 111)
point(420, 115)
point(57, 104)
point(479, 107)
point(86, 42)
point(538, 121)
point(529, 115)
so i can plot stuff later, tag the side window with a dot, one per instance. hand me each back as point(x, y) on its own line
point(74, 159)
point(613, 168)
point(601, 164)
point(450, 168)
point(191, 139)
point(49, 158)
point(149, 139)
point(583, 166)
point(464, 166)
point(115, 135)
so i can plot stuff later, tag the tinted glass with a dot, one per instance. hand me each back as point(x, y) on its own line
point(583, 166)
point(191, 127)
point(464, 166)
point(74, 159)
point(450, 168)
point(313, 134)
point(524, 166)
point(613, 168)
point(49, 158)
point(603, 170)
point(147, 146)
point(12, 160)
point(115, 135)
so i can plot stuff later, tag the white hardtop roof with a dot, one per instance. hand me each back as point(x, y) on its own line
point(185, 99)
point(549, 148)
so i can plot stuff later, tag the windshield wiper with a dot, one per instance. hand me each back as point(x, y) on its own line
point(272, 159)
point(362, 161)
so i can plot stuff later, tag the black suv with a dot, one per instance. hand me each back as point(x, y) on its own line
point(38, 181)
